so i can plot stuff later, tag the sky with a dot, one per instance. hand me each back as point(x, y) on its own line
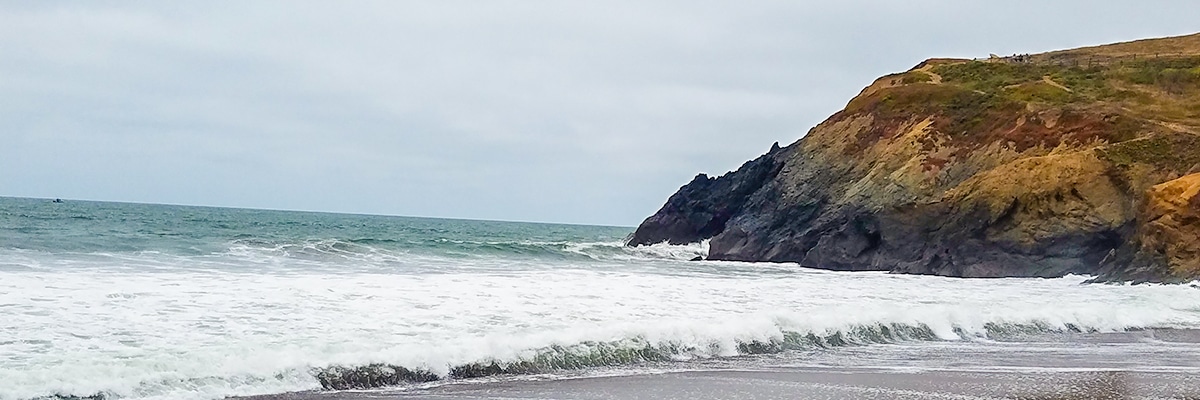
point(588, 112)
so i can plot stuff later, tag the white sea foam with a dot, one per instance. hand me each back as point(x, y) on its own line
point(260, 319)
point(617, 250)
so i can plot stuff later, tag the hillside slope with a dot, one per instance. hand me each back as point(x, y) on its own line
point(1036, 165)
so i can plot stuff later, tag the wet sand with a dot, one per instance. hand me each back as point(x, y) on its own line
point(803, 383)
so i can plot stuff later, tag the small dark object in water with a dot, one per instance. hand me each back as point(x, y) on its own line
point(57, 201)
point(697, 258)
point(97, 396)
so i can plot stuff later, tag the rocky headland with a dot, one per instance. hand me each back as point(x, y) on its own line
point(1083, 161)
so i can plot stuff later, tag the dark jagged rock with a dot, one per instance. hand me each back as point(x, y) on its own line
point(700, 209)
point(974, 169)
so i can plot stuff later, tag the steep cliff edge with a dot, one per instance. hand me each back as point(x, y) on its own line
point(1039, 165)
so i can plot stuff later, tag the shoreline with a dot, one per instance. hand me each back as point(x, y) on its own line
point(807, 383)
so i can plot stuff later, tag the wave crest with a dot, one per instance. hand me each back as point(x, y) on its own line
point(377, 251)
point(639, 350)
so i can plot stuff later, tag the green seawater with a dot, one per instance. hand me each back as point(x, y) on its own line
point(44, 226)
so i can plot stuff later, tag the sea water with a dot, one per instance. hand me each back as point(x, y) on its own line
point(136, 301)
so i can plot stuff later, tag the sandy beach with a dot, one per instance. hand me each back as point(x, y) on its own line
point(798, 383)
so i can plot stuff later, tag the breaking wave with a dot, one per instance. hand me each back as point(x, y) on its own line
point(625, 352)
point(640, 350)
point(384, 250)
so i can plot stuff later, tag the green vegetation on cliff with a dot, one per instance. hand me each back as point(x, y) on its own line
point(1171, 152)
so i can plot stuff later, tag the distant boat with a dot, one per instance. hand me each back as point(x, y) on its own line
point(57, 201)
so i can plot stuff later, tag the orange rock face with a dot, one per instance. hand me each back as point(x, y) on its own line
point(1171, 226)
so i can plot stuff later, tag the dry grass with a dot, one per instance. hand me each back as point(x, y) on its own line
point(1168, 46)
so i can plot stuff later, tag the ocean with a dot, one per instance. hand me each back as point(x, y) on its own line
point(138, 301)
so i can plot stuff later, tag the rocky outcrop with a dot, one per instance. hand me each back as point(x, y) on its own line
point(970, 169)
point(1167, 245)
point(700, 209)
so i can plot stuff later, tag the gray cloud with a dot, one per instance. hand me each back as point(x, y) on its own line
point(590, 112)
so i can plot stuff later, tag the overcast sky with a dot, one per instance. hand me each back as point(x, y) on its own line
point(555, 111)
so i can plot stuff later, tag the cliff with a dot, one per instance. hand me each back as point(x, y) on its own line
point(1074, 161)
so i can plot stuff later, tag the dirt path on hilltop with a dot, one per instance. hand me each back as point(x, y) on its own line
point(933, 77)
point(1051, 82)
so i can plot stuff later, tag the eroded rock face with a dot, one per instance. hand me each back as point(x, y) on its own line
point(963, 168)
point(1167, 247)
point(1036, 216)
point(1171, 226)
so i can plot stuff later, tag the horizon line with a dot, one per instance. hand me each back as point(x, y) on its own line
point(51, 199)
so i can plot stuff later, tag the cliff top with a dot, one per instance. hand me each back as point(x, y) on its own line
point(1186, 45)
point(1150, 79)
point(1115, 92)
